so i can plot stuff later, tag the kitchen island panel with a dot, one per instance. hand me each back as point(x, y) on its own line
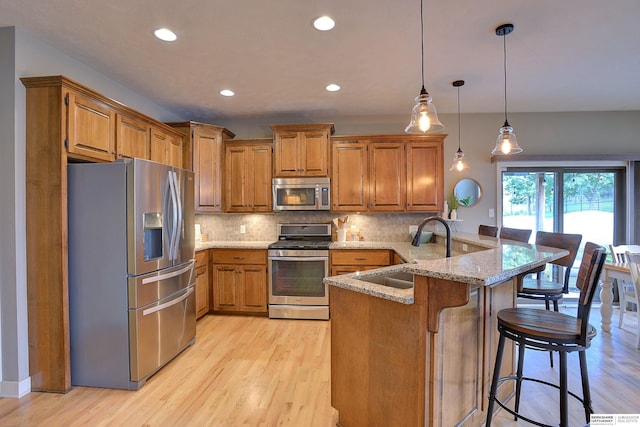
point(390, 368)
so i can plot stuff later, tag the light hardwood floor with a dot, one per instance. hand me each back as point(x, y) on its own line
point(251, 371)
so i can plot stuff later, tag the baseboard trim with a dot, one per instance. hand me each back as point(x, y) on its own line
point(15, 389)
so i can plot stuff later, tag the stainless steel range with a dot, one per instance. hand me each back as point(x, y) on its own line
point(298, 262)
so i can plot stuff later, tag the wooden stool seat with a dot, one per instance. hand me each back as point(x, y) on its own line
point(552, 331)
point(544, 325)
point(540, 286)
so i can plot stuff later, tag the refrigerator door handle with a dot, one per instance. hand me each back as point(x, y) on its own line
point(166, 276)
point(174, 217)
point(178, 203)
point(162, 306)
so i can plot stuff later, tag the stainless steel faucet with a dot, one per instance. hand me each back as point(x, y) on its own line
point(416, 239)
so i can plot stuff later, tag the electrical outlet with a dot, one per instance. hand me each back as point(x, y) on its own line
point(243, 229)
point(465, 248)
point(492, 213)
point(413, 228)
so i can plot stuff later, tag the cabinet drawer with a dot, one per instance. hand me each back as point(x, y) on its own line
point(202, 258)
point(360, 257)
point(239, 256)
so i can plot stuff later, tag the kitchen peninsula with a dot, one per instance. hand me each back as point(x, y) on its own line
point(422, 354)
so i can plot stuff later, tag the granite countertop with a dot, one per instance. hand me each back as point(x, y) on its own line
point(494, 261)
point(488, 261)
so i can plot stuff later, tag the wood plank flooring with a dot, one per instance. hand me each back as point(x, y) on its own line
point(252, 371)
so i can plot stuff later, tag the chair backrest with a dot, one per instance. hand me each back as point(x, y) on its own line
point(517, 234)
point(633, 260)
point(570, 242)
point(593, 259)
point(618, 254)
point(488, 230)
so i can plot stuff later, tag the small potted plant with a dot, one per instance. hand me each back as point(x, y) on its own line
point(454, 204)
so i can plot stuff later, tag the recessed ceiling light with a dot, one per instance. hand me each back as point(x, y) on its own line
point(165, 34)
point(227, 92)
point(332, 87)
point(324, 23)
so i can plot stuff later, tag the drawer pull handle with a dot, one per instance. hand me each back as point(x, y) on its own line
point(361, 259)
point(238, 257)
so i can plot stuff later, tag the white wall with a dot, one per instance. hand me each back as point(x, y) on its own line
point(22, 55)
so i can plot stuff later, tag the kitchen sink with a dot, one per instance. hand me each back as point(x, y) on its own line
point(399, 280)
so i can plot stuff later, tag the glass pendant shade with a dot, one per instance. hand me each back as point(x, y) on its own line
point(458, 162)
point(424, 118)
point(507, 143)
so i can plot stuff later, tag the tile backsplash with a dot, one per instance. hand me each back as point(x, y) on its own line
point(390, 227)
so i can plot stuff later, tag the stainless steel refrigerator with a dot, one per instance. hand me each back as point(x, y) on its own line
point(131, 270)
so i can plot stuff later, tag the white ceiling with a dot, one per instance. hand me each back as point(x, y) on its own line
point(564, 55)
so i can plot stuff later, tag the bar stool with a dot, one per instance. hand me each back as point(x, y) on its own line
point(539, 289)
point(516, 234)
point(550, 330)
point(488, 230)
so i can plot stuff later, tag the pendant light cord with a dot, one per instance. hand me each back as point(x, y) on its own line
point(459, 131)
point(504, 56)
point(422, 41)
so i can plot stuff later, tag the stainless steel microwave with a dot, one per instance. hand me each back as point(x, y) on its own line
point(301, 194)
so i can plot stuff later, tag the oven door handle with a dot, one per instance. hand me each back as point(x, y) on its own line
point(298, 258)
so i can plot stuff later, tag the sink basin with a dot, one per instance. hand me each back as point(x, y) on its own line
point(398, 280)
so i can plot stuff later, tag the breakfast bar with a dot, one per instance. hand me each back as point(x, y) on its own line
point(413, 344)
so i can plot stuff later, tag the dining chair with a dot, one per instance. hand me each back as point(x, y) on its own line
point(553, 331)
point(630, 293)
point(488, 230)
point(516, 234)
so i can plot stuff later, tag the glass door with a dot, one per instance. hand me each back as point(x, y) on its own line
point(586, 201)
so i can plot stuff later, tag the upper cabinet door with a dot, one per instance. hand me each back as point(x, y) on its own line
point(207, 166)
point(287, 154)
point(314, 152)
point(387, 190)
point(425, 176)
point(91, 127)
point(349, 177)
point(132, 137)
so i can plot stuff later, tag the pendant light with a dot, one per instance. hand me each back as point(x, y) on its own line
point(458, 163)
point(507, 142)
point(424, 118)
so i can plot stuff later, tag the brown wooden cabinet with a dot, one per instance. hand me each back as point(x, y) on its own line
point(239, 280)
point(205, 160)
point(203, 288)
point(166, 147)
point(387, 183)
point(301, 150)
point(247, 178)
point(132, 137)
point(387, 173)
point(91, 125)
point(425, 175)
point(345, 261)
point(65, 121)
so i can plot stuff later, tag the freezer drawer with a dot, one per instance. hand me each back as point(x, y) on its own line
point(159, 331)
point(151, 287)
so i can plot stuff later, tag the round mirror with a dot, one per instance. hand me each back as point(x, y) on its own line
point(467, 191)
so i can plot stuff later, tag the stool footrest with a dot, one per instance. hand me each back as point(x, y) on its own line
point(536, 380)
